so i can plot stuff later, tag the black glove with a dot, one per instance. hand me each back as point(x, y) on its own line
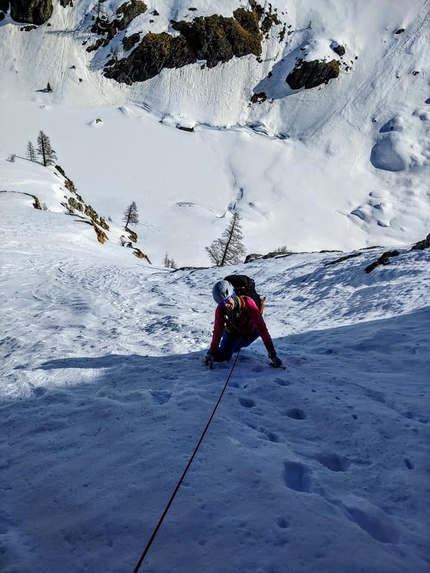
point(275, 361)
point(209, 360)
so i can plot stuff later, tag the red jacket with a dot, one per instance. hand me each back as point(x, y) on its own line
point(244, 320)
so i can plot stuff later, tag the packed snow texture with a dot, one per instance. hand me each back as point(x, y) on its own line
point(319, 468)
point(322, 466)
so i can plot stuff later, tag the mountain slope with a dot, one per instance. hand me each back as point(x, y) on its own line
point(319, 468)
point(375, 53)
point(340, 166)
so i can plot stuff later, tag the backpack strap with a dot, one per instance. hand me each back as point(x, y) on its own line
point(263, 300)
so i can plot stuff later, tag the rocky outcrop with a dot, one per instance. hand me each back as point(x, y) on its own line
point(344, 258)
point(421, 245)
point(31, 11)
point(75, 205)
point(217, 39)
point(312, 74)
point(126, 13)
point(384, 259)
point(338, 49)
point(155, 52)
point(213, 39)
point(130, 41)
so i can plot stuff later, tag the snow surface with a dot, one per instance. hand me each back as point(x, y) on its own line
point(322, 467)
point(319, 468)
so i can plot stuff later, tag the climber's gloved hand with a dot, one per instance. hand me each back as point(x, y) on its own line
point(276, 362)
point(209, 360)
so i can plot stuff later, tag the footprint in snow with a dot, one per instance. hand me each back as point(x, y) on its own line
point(282, 382)
point(160, 397)
point(333, 462)
point(297, 476)
point(296, 414)
point(246, 402)
point(372, 520)
point(266, 434)
point(38, 392)
point(258, 368)
point(282, 523)
point(235, 384)
point(412, 416)
point(408, 464)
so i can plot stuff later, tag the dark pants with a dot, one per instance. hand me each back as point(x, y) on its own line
point(229, 344)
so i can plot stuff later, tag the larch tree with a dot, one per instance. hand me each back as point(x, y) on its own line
point(131, 215)
point(31, 152)
point(229, 249)
point(45, 150)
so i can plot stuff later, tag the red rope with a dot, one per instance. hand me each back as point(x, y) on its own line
point(178, 485)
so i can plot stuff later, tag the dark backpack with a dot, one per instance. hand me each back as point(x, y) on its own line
point(245, 286)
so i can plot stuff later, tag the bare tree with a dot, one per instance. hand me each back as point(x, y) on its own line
point(131, 215)
point(229, 249)
point(169, 263)
point(45, 150)
point(31, 152)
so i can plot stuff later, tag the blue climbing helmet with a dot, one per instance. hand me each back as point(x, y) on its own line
point(222, 290)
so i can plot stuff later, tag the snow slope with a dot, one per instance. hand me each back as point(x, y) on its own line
point(342, 166)
point(322, 467)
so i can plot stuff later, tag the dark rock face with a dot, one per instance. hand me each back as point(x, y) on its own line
point(384, 259)
point(424, 244)
point(130, 41)
point(31, 11)
point(312, 74)
point(340, 50)
point(155, 52)
point(259, 97)
point(214, 39)
point(4, 5)
point(217, 39)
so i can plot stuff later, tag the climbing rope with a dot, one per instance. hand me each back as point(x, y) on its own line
point(178, 485)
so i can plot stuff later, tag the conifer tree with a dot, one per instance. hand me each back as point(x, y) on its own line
point(45, 150)
point(31, 152)
point(229, 249)
point(131, 215)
